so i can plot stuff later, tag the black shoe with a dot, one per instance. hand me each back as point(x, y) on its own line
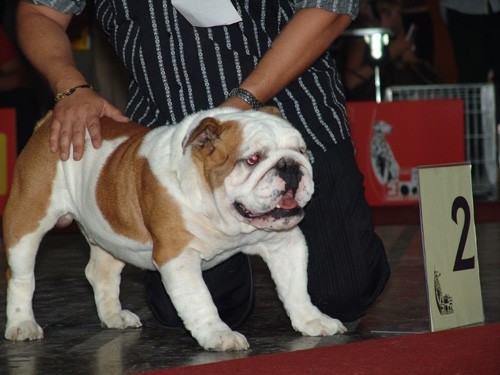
point(230, 284)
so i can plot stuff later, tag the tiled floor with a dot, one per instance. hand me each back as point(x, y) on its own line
point(75, 343)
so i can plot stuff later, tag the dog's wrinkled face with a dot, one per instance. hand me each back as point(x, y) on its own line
point(275, 192)
point(258, 170)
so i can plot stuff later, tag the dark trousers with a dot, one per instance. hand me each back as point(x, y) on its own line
point(348, 268)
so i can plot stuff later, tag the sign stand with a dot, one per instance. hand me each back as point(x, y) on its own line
point(449, 243)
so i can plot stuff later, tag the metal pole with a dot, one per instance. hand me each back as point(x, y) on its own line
point(378, 94)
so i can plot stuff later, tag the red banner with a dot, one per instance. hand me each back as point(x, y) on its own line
point(393, 138)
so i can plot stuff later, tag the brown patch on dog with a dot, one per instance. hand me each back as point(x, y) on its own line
point(138, 206)
point(119, 182)
point(111, 129)
point(31, 187)
point(164, 218)
point(207, 131)
point(215, 148)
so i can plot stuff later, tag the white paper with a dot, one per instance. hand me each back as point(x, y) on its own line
point(207, 13)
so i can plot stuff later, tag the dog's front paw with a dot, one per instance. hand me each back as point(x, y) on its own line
point(321, 326)
point(123, 319)
point(27, 330)
point(223, 340)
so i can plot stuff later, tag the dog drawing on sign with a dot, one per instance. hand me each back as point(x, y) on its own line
point(384, 164)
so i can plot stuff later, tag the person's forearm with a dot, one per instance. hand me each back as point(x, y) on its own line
point(49, 52)
point(306, 37)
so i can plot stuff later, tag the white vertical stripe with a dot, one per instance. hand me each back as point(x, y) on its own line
point(132, 99)
point(146, 77)
point(316, 110)
point(134, 54)
point(203, 69)
point(255, 30)
point(159, 56)
point(220, 63)
point(303, 120)
point(185, 71)
point(242, 30)
point(237, 63)
point(175, 67)
point(320, 86)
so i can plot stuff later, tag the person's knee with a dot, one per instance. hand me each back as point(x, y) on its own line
point(350, 298)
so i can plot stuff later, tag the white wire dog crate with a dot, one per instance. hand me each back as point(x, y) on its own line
point(480, 127)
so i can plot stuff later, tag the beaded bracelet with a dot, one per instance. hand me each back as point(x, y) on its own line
point(247, 96)
point(70, 91)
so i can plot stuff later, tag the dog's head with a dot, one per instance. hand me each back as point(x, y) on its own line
point(256, 165)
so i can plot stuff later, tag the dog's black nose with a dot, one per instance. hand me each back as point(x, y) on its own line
point(289, 171)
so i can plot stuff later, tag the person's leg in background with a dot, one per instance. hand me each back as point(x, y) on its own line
point(494, 35)
point(471, 44)
point(348, 268)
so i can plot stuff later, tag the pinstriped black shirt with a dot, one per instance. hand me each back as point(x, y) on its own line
point(178, 69)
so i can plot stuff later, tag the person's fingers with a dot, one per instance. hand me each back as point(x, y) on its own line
point(94, 128)
point(72, 132)
point(115, 114)
point(78, 140)
point(55, 129)
point(73, 118)
point(65, 137)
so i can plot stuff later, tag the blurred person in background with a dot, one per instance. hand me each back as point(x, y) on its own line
point(401, 64)
point(474, 28)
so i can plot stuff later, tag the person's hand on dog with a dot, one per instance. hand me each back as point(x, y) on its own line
point(51, 54)
point(75, 114)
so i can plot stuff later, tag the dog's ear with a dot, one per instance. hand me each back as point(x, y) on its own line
point(271, 110)
point(208, 130)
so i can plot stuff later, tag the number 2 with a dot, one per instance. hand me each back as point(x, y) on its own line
point(460, 263)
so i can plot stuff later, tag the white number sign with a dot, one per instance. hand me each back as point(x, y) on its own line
point(450, 250)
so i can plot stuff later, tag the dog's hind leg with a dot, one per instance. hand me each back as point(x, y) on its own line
point(21, 249)
point(104, 274)
point(30, 212)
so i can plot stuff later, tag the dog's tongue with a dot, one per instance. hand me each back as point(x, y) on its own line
point(288, 201)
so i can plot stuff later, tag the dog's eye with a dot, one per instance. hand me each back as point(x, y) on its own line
point(254, 159)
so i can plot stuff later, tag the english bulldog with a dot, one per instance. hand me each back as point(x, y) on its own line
point(177, 199)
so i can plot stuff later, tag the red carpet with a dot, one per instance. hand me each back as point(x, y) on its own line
point(470, 351)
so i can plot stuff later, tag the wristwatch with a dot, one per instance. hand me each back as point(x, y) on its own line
point(247, 96)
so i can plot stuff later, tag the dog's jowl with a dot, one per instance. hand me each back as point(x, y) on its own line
point(177, 199)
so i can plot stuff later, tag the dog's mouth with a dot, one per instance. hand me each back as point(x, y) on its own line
point(286, 207)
